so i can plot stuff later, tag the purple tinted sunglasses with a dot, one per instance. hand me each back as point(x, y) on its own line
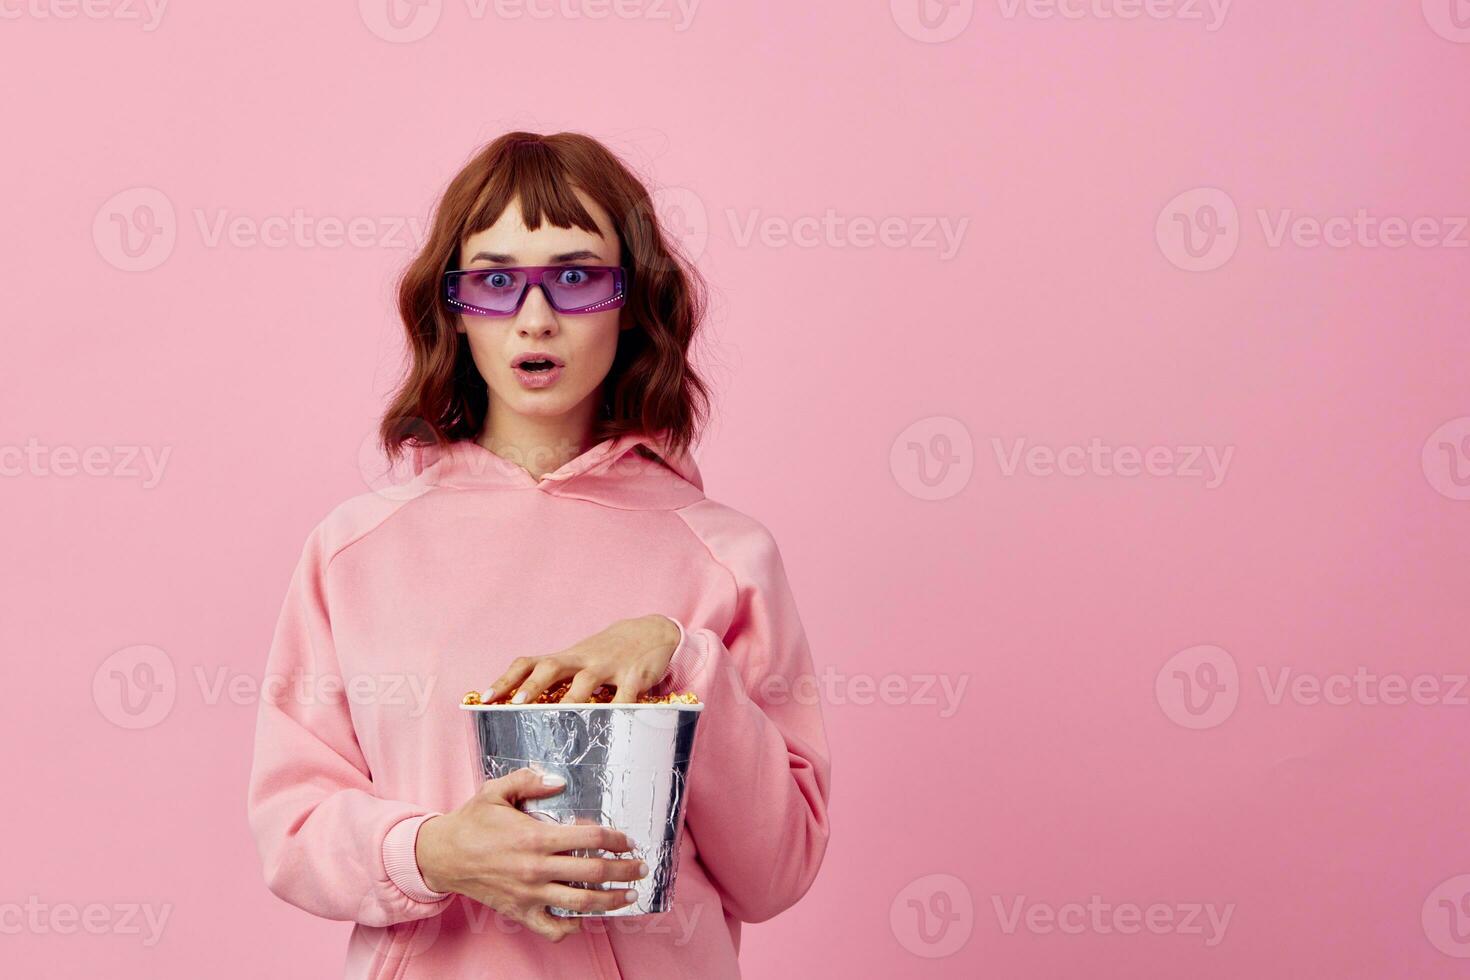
point(501, 291)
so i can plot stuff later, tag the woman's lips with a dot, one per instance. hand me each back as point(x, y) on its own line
point(537, 379)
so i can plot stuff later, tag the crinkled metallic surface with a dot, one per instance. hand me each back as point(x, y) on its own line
point(626, 767)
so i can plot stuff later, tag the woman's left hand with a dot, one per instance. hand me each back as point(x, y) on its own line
point(631, 655)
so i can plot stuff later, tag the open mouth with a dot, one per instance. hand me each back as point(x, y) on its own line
point(536, 365)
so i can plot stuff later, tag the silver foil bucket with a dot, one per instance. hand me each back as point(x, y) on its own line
point(626, 767)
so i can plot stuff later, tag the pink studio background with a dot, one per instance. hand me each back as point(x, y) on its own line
point(855, 378)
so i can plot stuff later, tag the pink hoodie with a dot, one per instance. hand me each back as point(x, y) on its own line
point(404, 600)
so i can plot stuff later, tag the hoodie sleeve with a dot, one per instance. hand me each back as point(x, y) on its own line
point(759, 782)
point(322, 831)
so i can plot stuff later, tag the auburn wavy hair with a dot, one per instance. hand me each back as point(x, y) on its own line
point(651, 386)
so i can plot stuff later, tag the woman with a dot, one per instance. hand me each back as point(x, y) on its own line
point(556, 531)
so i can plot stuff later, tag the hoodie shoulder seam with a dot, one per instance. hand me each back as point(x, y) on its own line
point(364, 533)
point(678, 512)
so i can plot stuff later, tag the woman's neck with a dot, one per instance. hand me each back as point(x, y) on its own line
point(539, 445)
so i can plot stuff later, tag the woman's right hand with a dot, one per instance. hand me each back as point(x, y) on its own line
point(504, 858)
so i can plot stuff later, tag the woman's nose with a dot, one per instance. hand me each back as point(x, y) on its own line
point(536, 318)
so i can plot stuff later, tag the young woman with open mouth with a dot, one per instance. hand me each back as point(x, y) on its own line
point(556, 533)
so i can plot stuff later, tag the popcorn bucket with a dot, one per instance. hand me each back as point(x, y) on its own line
point(626, 767)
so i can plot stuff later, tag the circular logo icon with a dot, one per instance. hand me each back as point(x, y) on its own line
point(1446, 916)
point(1446, 458)
point(135, 230)
point(135, 687)
point(681, 215)
point(933, 458)
point(932, 21)
point(1450, 19)
point(933, 916)
point(404, 939)
point(395, 480)
point(1199, 230)
point(1198, 687)
point(400, 21)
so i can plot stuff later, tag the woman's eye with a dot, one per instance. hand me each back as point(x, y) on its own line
point(573, 277)
point(497, 280)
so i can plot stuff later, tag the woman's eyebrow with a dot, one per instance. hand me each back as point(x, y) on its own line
point(502, 258)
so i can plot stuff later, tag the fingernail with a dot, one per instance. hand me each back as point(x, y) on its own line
point(520, 697)
point(630, 895)
point(552, 779)
point(642, 869)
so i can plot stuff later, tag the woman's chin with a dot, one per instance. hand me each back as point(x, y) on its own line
point(540, 404)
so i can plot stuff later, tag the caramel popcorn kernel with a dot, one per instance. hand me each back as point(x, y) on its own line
point(603, 695)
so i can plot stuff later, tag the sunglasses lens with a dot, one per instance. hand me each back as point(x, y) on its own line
point(496, 290)
point(575, 289)
point(571, 289)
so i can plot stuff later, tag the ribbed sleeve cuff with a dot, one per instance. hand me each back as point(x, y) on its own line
point(687, 659)
point(399, 846)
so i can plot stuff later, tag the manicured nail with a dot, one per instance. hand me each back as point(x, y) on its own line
point(630, 895)
point(519, 698)
point(552, 779)
point(642, 869)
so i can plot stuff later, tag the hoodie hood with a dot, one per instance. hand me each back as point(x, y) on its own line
point(614, 473)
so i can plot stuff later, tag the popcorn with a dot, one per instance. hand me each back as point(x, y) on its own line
point(603, 695)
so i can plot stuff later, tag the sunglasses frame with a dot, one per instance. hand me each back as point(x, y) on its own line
point(534, 274)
